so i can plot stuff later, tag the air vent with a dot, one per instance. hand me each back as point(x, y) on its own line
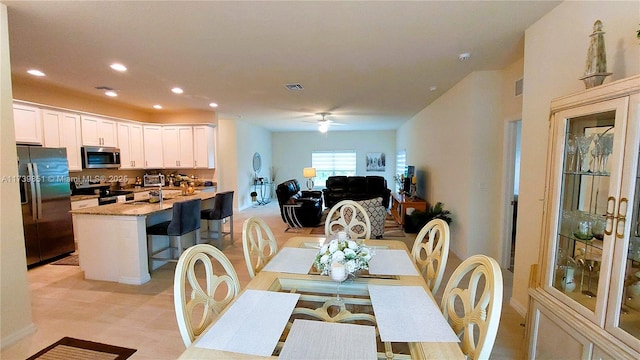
point(106, 88)
point(519, 87)
point(293, 87)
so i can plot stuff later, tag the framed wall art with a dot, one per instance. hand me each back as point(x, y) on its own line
point(375, 161)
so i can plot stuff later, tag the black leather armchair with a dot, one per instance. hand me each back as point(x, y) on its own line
point(356, 188)
point(299, 208)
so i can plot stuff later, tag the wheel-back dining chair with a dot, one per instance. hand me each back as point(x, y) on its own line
point(258, 243)
point(431, 250)
point(202, 295)
point(350, 217)
point(473, 310)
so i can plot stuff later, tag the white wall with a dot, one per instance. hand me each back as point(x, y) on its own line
point(292, 151)
point(250, 139)
point(457, 142)
point(555, 52)
point(15, 303)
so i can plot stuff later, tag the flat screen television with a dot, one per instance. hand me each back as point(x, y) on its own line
point(406, 186)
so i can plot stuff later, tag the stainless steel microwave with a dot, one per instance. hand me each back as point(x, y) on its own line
point(100, 157)
point(153, 180)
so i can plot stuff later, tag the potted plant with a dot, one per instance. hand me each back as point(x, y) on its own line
point(418, 219)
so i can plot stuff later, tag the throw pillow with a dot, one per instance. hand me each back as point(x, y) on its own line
point(377, 215)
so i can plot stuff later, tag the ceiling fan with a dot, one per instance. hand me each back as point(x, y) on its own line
point(324, 123)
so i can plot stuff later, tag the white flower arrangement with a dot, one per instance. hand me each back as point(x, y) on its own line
point(352, 255)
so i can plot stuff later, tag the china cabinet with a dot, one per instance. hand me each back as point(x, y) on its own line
point(585, 300)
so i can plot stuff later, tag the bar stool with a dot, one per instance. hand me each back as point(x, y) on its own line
point(221, 213)
point(185, 220)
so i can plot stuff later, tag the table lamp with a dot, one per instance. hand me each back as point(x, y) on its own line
point(309, 173)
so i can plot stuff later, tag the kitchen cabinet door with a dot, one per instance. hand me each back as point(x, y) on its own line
point(203, 147)
point(97, 131)
point(28, 124)
point(62, 129)
point(177, 146)
point(153, 144)
point(130, 143)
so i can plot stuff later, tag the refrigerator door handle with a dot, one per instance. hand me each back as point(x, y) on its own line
point(36, 180)
point(31, 181)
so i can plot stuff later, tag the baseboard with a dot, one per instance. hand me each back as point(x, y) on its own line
point(522, 310)
point(17, 336)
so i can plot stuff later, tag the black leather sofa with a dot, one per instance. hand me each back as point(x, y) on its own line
point(356, 188)
point(299, 208)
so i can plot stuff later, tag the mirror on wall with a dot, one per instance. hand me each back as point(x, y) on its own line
point(257, 162)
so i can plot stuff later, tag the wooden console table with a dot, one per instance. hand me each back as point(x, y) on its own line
point(400, 204)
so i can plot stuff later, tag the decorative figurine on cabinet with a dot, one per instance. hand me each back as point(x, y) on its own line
point(596, 67)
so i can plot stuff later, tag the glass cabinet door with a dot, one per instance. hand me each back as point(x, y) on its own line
point(588, 149)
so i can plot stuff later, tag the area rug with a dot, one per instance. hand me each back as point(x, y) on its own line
point(75, 349)
point(69, 260)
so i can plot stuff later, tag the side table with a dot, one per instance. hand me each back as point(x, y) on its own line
point(400, 203)
point(263, 188)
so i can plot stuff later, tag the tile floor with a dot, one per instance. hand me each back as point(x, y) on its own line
point(142, 317)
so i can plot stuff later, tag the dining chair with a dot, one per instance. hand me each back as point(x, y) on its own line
point(473, 310)
point(350, 217)
point(191, 300)
point(431, 250)
point(185, 220)
point(258, 243)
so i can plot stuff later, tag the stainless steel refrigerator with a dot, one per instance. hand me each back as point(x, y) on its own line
point(46, 201)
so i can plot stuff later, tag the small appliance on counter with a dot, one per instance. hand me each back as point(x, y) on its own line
point(153, 180)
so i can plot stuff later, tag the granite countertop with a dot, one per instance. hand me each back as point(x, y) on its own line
point(83, 197)
point(148, 188)
point(141, 208)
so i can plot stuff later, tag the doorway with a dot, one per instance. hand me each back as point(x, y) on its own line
point(513, 130)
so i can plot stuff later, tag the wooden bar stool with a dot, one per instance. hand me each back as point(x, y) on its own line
point(185, 220)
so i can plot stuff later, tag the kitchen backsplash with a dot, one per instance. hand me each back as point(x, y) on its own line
point(129, 176)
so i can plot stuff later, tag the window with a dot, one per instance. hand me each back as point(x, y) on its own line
point(401, 167)
point(331, 163)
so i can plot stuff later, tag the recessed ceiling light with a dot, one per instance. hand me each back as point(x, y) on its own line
point(213, 105)
point(118, 67)
point(433, 88)
point(464, 56)
point(177, 90)
point(157, 106)
point(35, 72)
point(111, 93)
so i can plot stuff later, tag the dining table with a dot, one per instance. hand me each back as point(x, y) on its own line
point(289, 310)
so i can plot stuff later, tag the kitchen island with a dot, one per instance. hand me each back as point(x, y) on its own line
point(112, 239)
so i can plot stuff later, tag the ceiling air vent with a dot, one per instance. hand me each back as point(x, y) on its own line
point(519, 87)
point(293, 87)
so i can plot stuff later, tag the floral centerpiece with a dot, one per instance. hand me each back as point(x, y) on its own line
point(342, 250)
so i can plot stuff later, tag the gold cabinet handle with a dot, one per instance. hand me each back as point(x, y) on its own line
point(622, 217)
point(611, 206)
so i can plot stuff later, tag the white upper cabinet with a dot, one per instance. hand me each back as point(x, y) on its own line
point(153, 146)
point(177, 146)
point(99, 131)
point(203, 147)
point(28, 124)
point(131, 145)
point(62, 129)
